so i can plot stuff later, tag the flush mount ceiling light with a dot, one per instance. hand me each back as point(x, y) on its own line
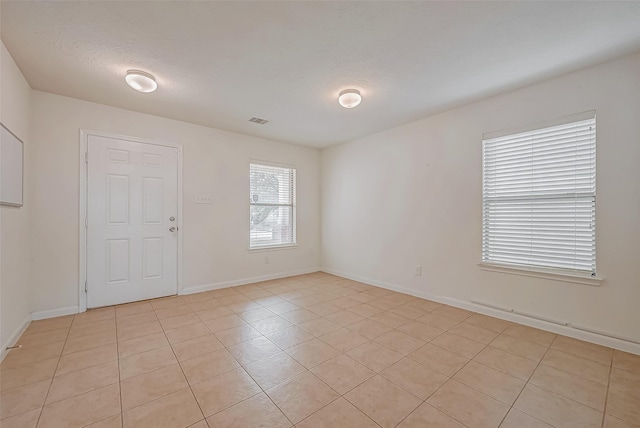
point(350, 98)
point(141, 81)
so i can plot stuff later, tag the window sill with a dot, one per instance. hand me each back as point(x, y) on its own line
point(542, 273)
point(273, 248)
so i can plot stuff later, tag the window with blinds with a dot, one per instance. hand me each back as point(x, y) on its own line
point(272, 198)
point(539, 197)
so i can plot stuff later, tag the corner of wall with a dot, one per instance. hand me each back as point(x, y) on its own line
point(15, 277)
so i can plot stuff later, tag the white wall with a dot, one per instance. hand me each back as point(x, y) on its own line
point(412, 195)
point(15, 307)
point(215, 162)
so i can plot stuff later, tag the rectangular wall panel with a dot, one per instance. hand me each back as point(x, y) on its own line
point(152, 258)
point(117, 199)
point(117, 268)
point(152, 200)
point(152, 160)
point(117, 156)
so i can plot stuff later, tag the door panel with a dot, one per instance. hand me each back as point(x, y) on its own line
point(117, 260)
point(152, 195)
point(132, 196)
point(117, 156)
point(117, 199)
point(152, 160)
point(152, 258)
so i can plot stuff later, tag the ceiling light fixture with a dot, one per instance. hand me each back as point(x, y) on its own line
point(350, 98)
point(141, 81)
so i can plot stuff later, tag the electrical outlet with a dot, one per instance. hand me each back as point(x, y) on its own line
point(204, 199)
point(418, 270)
point(266, 260)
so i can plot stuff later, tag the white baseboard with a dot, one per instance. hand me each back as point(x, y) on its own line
point(531, 320)
point(70, 310)
point(244, 281)
point(52, 313)
point(15, 336)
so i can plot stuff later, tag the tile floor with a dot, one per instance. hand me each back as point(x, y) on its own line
point(309, 351)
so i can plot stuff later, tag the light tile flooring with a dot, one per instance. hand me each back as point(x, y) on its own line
point(310, 351)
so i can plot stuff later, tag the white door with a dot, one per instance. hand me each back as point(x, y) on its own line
point(132, 210)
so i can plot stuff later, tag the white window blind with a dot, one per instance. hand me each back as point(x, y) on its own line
point(272, 198)
point(539, 197)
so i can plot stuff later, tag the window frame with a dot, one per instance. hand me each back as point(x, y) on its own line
point(546, 272)
point(293, 205)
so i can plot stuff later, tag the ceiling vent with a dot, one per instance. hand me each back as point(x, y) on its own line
point(258, 120)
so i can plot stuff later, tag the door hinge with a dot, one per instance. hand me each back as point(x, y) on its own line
point(85, 287)
point(86, 222)
point(86, 157)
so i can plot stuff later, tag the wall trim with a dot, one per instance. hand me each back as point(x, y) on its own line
point(70, 310)
point(509, 314)
point(15, 336)
point(52, 313)
point(594, 281)
point(243, 281)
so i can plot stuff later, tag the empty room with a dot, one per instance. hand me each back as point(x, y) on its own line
point(334, 214)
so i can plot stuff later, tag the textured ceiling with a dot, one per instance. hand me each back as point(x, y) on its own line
point(220, 63)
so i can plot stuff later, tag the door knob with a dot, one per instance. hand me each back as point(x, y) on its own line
point(172, 229)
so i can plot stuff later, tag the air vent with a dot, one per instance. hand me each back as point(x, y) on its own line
point(258, 120)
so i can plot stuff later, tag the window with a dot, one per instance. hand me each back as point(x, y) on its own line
point(539, 197)
point(272, 198)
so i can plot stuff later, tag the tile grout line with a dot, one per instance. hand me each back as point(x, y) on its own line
point(252, 378)
point(527, 383)
point(151, 371)
point(303, 293)
point(241, 366)
point(94, 365)
point(559, 369)
point(274, 403)
point(606, 397)
point(404, 356)
point(263, 391)
point(179, 365)
point(478, 362)
point(450, 377)
point(104, 386)
point(44, 403)
point(286, 380)
point(119, 378)
point(339, 394)
point(448, 330)
point(423, 401)
point(72, 371)
point(550, 348)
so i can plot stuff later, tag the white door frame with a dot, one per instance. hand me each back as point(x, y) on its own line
point(82, 225)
